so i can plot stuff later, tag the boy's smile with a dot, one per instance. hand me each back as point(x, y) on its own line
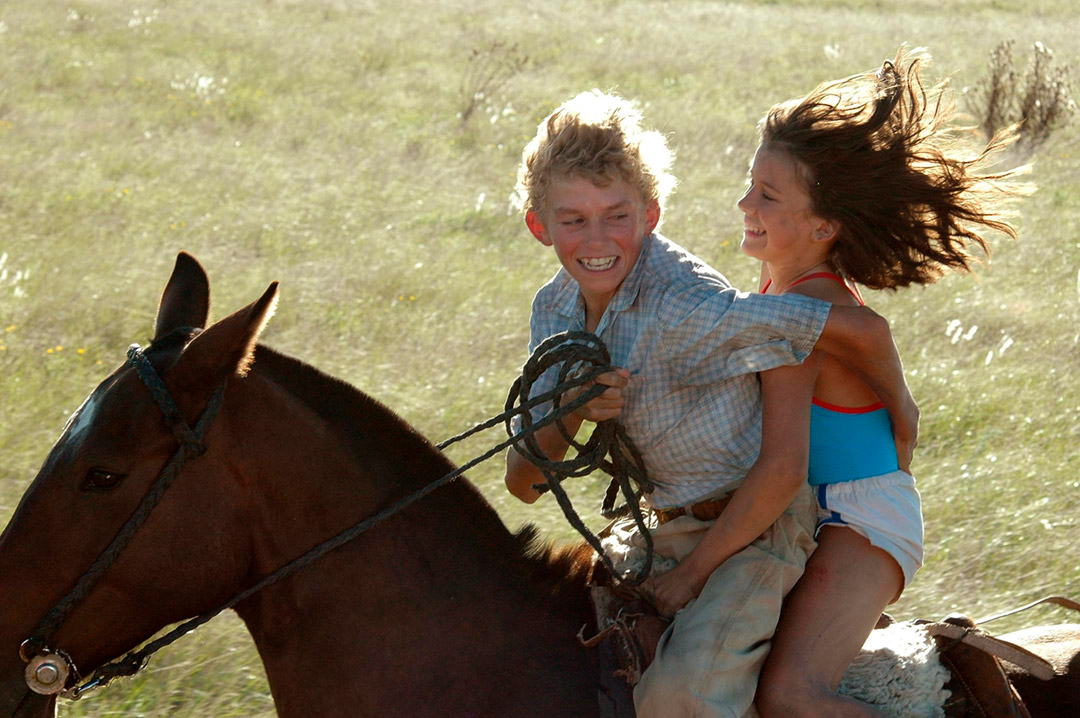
point(597, 233)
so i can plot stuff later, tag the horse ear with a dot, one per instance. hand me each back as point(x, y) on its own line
point(227, 347)
point(186, 299)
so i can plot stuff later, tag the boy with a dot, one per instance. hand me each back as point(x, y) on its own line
point(727, 454)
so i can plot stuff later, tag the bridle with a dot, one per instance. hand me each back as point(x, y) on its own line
point(48, 670)
point(51, 671)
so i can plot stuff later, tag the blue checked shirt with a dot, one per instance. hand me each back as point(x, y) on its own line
point(693, 345)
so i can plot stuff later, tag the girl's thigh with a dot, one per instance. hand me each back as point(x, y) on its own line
point(832, 609)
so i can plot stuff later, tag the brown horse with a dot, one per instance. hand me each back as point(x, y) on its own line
point(438, 611)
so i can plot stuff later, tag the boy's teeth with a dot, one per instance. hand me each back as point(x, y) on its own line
point(598, 263)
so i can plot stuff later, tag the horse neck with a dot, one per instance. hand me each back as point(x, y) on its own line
point(440, 589)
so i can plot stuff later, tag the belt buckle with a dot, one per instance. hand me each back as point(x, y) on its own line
point(665, 515)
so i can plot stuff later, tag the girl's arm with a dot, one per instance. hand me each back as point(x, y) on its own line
point(766, 492)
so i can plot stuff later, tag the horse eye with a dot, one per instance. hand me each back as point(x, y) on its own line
point(101, 480)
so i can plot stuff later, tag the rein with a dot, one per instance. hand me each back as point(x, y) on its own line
point(582, 356)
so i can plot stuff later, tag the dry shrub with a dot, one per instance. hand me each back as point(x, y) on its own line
point(1039, 102)
point(487, 71)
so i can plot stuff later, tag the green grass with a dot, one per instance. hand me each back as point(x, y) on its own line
point(323, 148)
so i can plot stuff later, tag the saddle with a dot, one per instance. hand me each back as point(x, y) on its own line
point(978, 687)
point(628, 630)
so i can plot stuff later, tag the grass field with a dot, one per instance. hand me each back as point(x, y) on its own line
point(324, 144)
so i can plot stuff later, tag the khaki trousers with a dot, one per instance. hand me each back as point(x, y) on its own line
point(709, 658)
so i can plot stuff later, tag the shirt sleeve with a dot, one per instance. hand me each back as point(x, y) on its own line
point(712, 332)
point(540, 329)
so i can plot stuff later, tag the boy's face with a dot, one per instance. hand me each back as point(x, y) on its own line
point(597, 233)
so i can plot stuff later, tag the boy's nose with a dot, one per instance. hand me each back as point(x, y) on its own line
point(597, 232)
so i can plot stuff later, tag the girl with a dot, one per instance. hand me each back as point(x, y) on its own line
point(859, 182)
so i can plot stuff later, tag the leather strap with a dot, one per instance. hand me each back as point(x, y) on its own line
point(1033, 664)
point(708, 510)
point(1059, 600)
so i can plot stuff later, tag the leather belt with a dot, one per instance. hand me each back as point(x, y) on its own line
point(708, 510)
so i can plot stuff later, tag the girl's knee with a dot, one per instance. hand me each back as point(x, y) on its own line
point(785, 692)
point(790, 701)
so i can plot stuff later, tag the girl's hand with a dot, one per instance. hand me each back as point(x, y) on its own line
point(609, 404)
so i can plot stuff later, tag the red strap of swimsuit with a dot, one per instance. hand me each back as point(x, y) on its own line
point(820, 275)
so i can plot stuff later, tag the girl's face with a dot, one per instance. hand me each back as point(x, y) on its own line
point(778, 224)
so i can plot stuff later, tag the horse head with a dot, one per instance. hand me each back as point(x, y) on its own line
point(266, 460)
point(107, 458)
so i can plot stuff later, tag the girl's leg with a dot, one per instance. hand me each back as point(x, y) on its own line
point(826, 619)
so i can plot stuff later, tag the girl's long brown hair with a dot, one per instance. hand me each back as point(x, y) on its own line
point(876, 157)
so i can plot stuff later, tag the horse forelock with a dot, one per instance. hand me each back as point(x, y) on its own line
point(166, 349)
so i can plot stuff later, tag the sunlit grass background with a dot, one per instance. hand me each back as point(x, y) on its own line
point(322, 144)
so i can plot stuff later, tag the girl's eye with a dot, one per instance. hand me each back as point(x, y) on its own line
point(101, 480)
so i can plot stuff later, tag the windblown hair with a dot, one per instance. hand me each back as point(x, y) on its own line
point(876, 157)
point(599, 136)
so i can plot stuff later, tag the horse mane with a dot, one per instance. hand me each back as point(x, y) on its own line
point(563, 570)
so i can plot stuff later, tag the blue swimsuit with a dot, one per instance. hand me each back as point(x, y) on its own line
point(848, 444)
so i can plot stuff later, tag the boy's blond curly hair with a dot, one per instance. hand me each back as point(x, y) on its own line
point(597, 135)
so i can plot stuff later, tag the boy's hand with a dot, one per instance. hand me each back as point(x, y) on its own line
point(610, 403)
point(905, 434)
point(671, 591)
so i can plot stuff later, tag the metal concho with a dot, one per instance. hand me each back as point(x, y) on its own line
point(47, 673)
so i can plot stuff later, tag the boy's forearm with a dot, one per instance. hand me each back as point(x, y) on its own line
point(522, 474)
point(862, 340)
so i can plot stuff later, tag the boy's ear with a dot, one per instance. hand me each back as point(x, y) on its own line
point(652, 216)
point(825, 231)
point(532, 221)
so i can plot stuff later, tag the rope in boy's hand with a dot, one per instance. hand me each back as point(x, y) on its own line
point(580, 357)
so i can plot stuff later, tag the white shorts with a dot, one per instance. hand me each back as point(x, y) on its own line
point(885, 509)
